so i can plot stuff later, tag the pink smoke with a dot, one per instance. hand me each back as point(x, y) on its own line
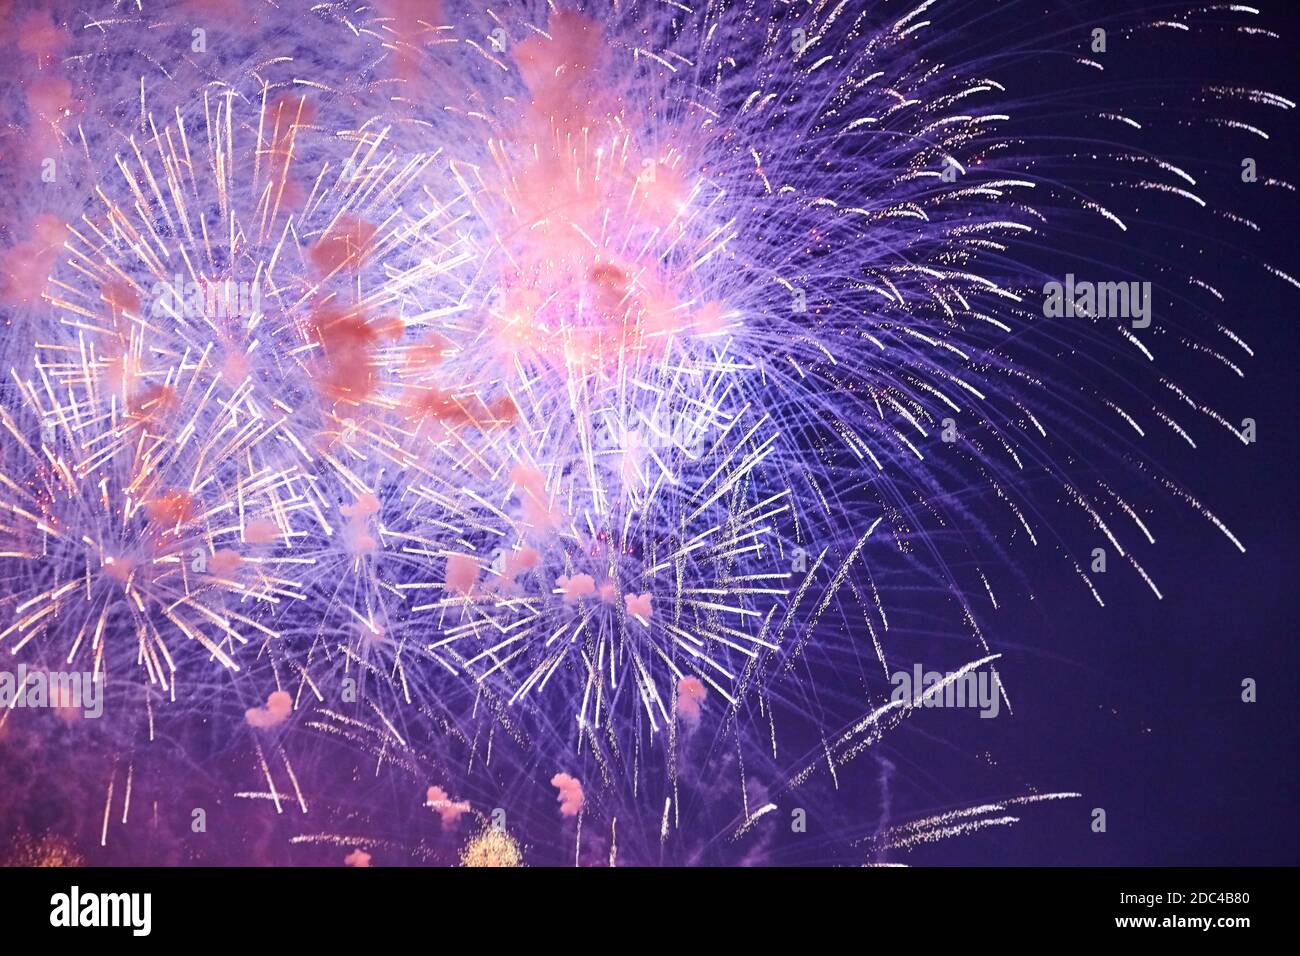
point(462, 573)
point(691, 694)
point(638, 606)
point(278, 707)
point(580, 585)
point(450, 811)
point(571, 797)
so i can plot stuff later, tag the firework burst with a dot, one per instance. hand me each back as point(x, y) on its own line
point(582, 394)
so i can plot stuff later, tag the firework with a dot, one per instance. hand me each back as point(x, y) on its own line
point(608, 397)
